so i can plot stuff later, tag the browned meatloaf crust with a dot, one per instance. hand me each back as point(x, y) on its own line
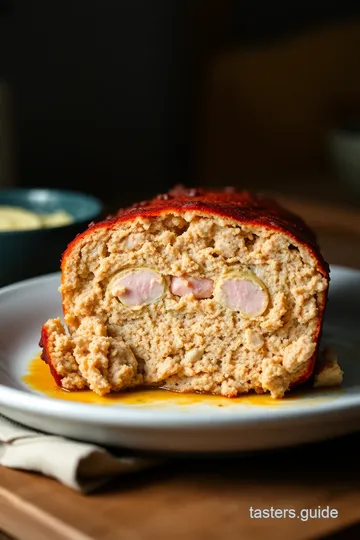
point(193, 291)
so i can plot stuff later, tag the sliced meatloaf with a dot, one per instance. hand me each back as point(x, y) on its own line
point(193, 291)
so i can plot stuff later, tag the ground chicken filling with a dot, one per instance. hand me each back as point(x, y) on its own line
point(190, 303)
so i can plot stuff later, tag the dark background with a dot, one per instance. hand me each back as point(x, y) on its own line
point(125, 99)
point(94, 92)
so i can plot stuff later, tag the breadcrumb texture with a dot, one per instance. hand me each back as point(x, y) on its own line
point(186, 344)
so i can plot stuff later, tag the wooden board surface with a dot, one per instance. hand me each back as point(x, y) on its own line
point(206, 498)
point(203, 499)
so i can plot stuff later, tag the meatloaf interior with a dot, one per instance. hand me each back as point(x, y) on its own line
point(187, 335)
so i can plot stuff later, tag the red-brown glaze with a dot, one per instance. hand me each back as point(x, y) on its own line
point(241, 207)
point(46, 355)
point(238, 206)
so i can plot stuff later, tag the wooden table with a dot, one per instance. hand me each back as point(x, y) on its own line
point(208, 498)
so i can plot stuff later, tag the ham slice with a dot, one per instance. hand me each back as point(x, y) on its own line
point(200, 288)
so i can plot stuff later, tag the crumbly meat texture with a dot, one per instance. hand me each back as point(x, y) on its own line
point(185, 343)
point(89, 358)
point(328, 373)
point(57, 352)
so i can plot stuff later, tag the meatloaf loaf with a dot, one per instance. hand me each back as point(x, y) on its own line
point(193, 291)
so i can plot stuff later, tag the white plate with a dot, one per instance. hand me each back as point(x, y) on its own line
point(172, 427)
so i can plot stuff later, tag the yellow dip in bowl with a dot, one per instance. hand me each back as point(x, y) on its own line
point(15, 218)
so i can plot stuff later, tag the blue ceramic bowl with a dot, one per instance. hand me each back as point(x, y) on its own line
point(29, 253)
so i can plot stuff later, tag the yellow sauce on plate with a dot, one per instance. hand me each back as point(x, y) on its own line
point(40, 379)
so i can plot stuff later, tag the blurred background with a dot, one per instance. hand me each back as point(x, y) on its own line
point(125, 99)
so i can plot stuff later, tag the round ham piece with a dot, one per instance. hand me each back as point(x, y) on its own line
point(138, 287)
point(242, 292)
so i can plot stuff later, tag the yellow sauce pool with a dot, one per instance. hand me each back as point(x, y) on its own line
point(40, 379)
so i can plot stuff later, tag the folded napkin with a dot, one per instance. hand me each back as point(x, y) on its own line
point(81, 466)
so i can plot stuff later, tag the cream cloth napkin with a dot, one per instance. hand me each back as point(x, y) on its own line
point(81, 466)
